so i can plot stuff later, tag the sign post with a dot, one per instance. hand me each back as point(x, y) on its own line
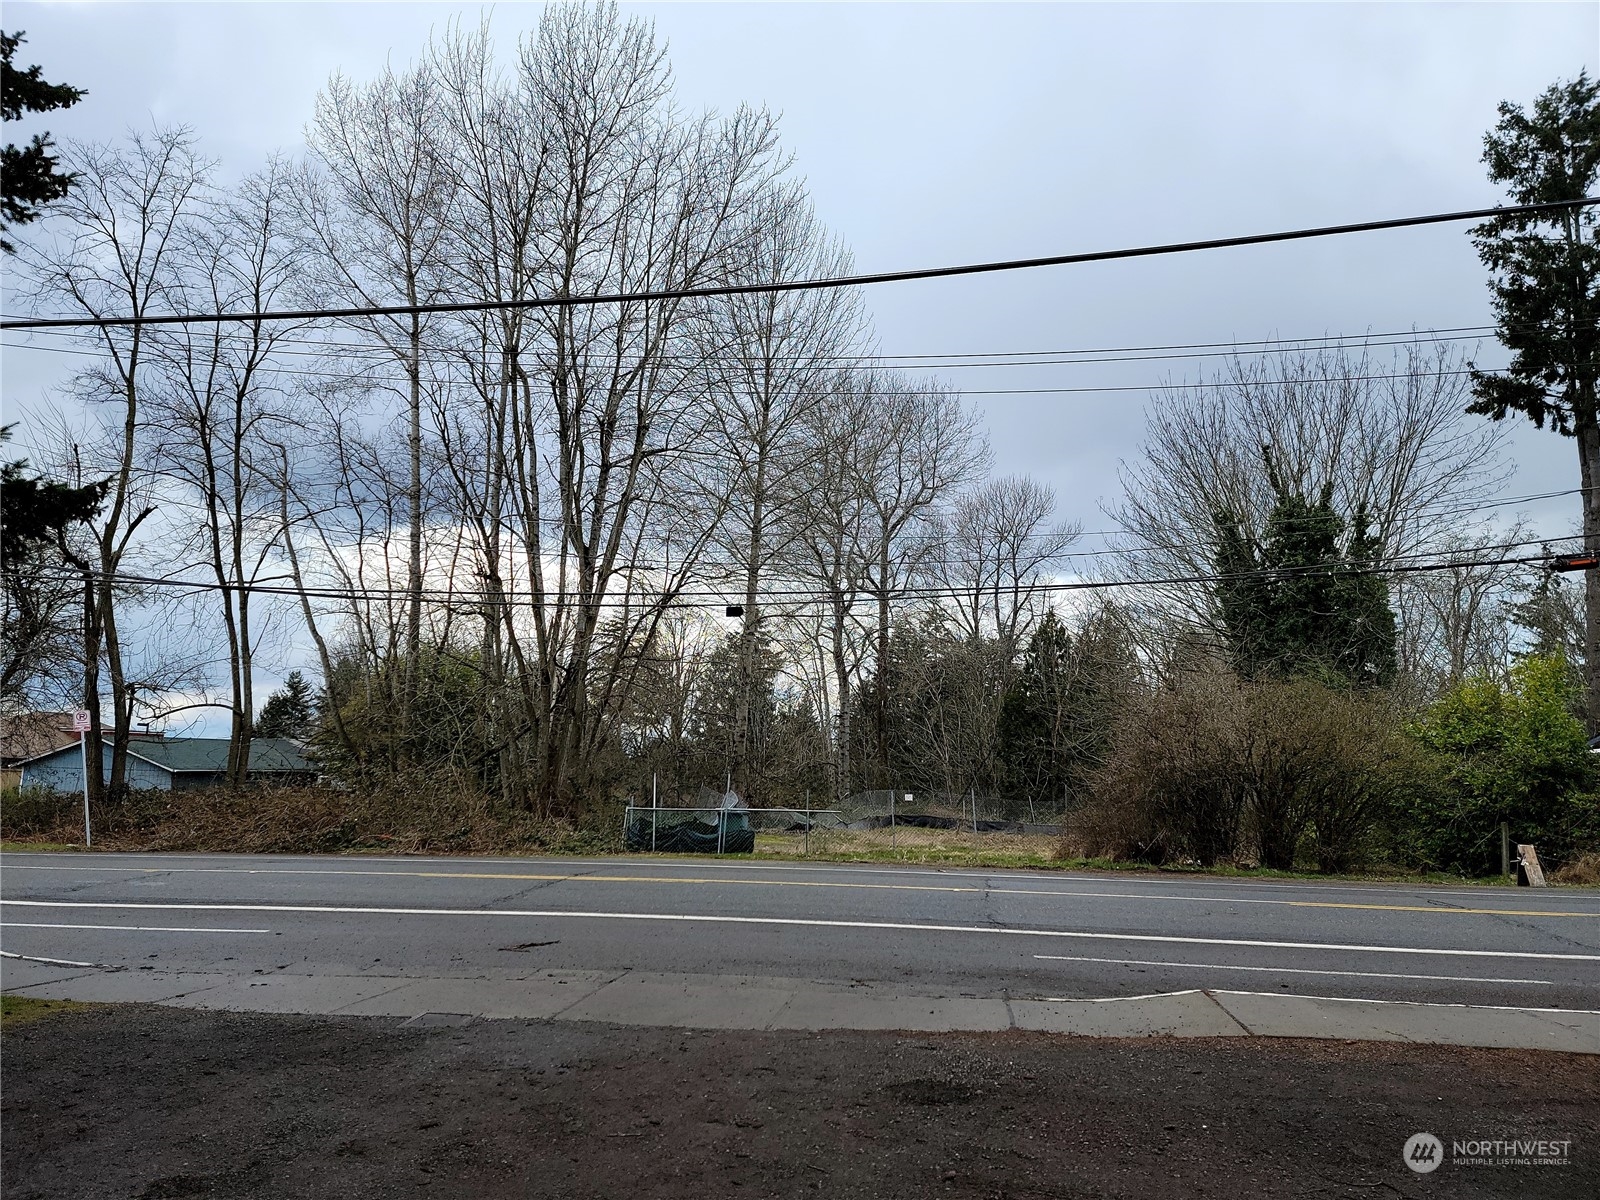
point(81, 720)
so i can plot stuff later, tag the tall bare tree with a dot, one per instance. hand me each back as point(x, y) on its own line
point(890, 450)
point(1382, 434)
point(374, 210)
point(216, 400)
point(111, 248)
point(994, 551)
point(639, 198)
point(920, 447)
point(1457, 621)
point(772, 359)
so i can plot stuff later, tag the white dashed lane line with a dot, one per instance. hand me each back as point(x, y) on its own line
point(127, 928)
point(679, 880)
point(798, 922)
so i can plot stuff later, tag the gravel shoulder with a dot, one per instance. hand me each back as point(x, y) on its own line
point(141, 1101)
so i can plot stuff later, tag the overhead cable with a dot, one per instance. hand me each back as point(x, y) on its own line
point(799, 285)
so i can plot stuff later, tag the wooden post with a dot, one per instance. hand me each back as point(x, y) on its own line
point(1529, 872)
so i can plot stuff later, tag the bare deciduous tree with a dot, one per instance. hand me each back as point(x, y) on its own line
point(215, 402)
point(1384, 434)
point(771, 359)
point(374, 209)
point(994, 551)
point(111, 249)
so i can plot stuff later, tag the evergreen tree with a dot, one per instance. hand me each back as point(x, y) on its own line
point(1546, 289)
point(1552, 617)
point(1033, 734)
point(289, 713)
point(40, 632)
point(29, 172)
point(722, 695)
point(35, 511)
point(943, 694)
point(1306, 600)
point(1056, 720)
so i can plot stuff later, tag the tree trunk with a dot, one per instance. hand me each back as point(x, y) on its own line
point(841, 676)
point(881, 698)
point(414, 535)
point(121, 692)
point(1588, 437)
point(91, 689)
point(244, 716)
point(749, 634)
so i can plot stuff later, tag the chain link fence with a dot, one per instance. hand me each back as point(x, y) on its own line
point(864, 823)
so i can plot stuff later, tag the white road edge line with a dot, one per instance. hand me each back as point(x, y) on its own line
point(1146, 962)
point(54, 962)
point(1562, 1012)
point(127, 928)
point(1116, 999)
point(720, 919)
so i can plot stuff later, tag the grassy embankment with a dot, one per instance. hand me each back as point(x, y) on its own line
point(426, 821)
point(907, 846)
point(24, 1010)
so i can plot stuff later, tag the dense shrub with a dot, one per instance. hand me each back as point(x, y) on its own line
point(1213, 768)
point(1505, 751)
point(28, 812)
point(418, 812)
point(1167, 789)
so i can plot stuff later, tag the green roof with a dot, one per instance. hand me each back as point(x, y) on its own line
point(210, 755)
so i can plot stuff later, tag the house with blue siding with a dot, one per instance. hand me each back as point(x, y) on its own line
point(172, 764)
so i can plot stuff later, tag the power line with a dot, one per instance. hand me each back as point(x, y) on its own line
point(841, 281)
point(706, 598)
point(366, 360)
point(321, 347)
point(1427, 510)
point(435, 381)
point(1434, 511)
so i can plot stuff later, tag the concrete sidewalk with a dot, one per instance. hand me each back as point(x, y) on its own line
point(763, 1003)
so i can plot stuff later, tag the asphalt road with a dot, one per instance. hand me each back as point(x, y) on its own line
point(921, 932)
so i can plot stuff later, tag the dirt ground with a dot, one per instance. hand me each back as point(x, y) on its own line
point(140, 1101)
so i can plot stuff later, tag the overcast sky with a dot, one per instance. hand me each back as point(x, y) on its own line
point(935, 134)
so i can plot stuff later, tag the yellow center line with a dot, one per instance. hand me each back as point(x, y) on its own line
point(1425, 908)
point(815, 883)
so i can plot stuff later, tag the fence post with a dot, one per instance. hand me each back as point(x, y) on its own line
point(722, 825)
point(892, 795)
point(1505, 849)
point(808, 822)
